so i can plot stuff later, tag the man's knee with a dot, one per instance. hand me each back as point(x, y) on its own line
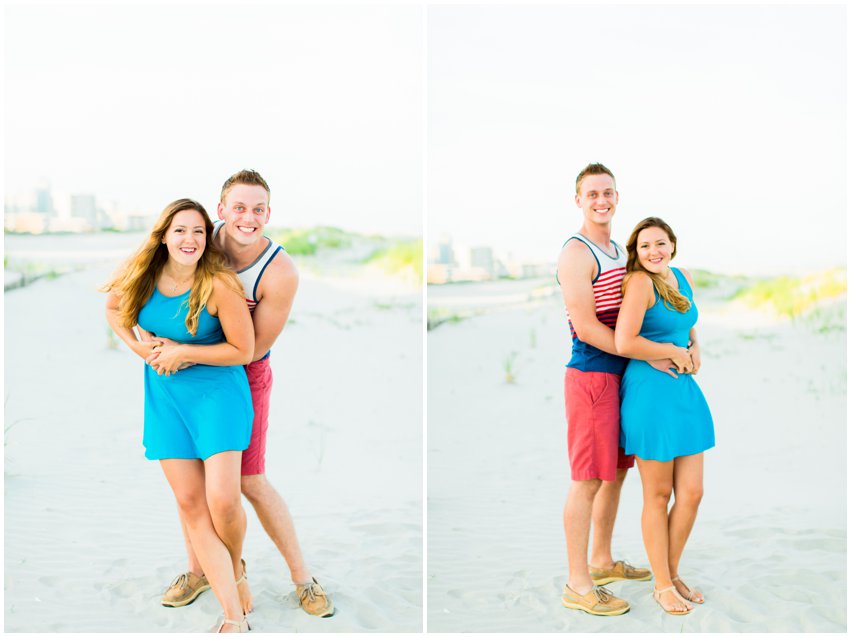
point(254, 487)
point(585, 489)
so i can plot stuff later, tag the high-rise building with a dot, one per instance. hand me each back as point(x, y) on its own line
point(84, 206)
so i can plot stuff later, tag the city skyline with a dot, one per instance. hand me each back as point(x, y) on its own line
point(335, 129)
point(732, 145)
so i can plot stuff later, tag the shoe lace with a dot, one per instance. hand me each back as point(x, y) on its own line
point(311, 592)
point(602, 594)
point(181, 581)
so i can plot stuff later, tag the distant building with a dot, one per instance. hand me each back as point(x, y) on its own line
point(482, 258)
point(442, 253)
point(84, 206)
point(43, 199)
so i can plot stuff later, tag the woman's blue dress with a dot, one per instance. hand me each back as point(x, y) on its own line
point(662, 417)
point(201, 410)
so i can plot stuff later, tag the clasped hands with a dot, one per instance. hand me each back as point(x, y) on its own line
point(165, 356)
point(686, 361)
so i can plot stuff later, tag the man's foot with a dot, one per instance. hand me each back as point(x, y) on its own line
point(314, 600)
point(691, 594)
point(620, 570)
point(185, 589)
point(597, 601)
point(245, 598)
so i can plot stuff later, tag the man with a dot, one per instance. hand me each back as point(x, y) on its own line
point(270, 280)
point(591, 268)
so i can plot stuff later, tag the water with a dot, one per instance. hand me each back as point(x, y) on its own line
point(56, 250)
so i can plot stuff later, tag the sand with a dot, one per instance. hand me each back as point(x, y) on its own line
point(92, 536)
point(769, 546)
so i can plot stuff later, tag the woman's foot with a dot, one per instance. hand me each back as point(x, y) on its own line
point(671, 602)
point(691, 594)
point(233, 626)
point(246, 601)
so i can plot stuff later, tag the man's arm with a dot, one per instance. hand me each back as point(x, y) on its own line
point(276, 295)
point(576, 270)
point(637, 298)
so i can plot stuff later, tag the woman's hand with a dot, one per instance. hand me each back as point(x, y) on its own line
point(682, 360)
point(168, 357)
point(147, 348)
point(694, 349)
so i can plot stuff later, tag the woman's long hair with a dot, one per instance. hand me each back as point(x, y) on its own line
point(670, 296)
point(135, 281)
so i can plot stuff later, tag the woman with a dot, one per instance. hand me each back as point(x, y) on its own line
point(198, 409)
point(665, 420)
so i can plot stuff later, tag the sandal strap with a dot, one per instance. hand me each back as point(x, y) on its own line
point(233, 622)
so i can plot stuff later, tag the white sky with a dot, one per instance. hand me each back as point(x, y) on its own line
point(727, 121)
point(145, 104)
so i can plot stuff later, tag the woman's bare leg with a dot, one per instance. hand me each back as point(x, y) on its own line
point(688, 491)
point(186, 478)
point(657, 480)
point(224, 497)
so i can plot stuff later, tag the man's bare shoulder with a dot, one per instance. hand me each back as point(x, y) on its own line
point(576, 260)
point(280, 276)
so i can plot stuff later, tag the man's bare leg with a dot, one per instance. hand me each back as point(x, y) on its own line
point(275, 517)
point(603, 521)
point(577, 528)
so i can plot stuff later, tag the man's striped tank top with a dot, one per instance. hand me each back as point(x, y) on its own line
point(607, 300)
point(250, 276)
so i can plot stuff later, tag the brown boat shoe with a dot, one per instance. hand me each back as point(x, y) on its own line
point(314, 600)
point(184, 589)
point(620, 570)
point(597, 601)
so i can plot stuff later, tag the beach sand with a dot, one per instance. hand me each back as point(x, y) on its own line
point(92, 536)
point(768, 549)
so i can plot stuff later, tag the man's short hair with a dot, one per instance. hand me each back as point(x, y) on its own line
point(594, 169)
point(245, 177)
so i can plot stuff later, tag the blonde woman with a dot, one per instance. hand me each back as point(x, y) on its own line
point(198, 409)
point(665, 420)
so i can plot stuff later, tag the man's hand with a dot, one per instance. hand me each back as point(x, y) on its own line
point(168, 358)
point(694, 350)
point(664, 365)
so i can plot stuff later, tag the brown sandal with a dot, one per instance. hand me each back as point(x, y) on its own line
point(691, 592)
point(657, 595)
point(242, 625)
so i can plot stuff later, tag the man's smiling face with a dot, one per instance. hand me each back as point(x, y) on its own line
point(245, 212)
point(598, 198)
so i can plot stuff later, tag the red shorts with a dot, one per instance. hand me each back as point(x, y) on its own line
point(260, 381)
point(593, 410)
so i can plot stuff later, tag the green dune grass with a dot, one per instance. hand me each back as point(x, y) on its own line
point(399, 256)
point(795, 296)
point(306, 241)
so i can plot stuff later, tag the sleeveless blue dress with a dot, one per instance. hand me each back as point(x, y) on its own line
point(662, 417)
point(201, 410)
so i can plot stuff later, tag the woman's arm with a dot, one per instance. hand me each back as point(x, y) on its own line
point(238, 329)
point(142, 348)
point(637, 298)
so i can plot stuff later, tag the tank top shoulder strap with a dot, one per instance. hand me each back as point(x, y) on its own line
point(685, 286)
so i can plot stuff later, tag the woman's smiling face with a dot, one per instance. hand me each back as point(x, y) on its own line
point(654, 249)
point(186, 237)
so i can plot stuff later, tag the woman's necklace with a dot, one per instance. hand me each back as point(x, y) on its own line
point(179, 283)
